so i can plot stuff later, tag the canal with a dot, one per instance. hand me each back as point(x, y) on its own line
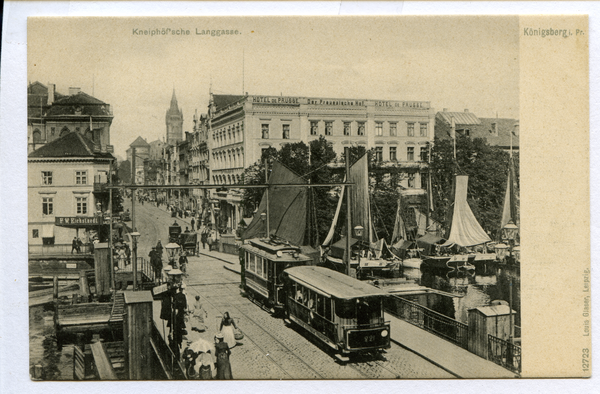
point(472, 289)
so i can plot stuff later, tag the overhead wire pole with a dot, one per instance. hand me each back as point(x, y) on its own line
point(134, 244)
point(267, 194)
point(348, 218)
point(110, 228)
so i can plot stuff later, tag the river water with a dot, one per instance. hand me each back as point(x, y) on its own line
point(471, 289)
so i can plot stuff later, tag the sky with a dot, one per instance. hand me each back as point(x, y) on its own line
point(454, 62)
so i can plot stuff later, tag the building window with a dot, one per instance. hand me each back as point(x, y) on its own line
point(81, 177)
point(494, 129)
point(379, 128)
point(393, 129)
point(423, 129)
point(52, 130)
point(411, 180)
point(47, 205)
point(265, 131)
point(81, 205)
point(46, 177)
point(314, 127)
point(328, 128)
point(424, 155)
point(361, 128)
point(37, 136)
point(347, 128)
point(35, 233)
point(393, 156)
point(286, 132)
point(410, 129)
point(424, 180)
point(379, 153)
point(410, 153)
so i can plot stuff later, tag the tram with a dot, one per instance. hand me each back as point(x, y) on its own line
point(340, 311)
point(264, 262)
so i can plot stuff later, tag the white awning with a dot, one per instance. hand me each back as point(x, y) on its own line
point(47, 231)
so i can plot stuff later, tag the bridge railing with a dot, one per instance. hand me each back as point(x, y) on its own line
point(429, 320)
point(504, 353)
point(57, 250)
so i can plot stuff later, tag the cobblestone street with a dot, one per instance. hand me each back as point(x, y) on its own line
point(270, 349)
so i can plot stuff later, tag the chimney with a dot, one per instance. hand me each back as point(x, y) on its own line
point(73, 91)
point(51, 89)
point(445, 109)
point(466, 110)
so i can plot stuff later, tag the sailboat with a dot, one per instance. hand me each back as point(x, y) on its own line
point(369, 256)
point(465, 234)
point(407, 249)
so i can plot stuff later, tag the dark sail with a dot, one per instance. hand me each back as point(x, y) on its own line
point(287, 208)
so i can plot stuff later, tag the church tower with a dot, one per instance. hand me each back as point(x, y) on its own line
point(174, 121)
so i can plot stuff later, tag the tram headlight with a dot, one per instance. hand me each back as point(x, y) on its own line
point(384, 333)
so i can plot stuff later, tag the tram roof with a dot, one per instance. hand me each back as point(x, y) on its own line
point(269, 251)
point(334, 283)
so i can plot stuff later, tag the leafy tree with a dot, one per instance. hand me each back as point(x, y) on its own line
point(124, 172)
point(487, 169)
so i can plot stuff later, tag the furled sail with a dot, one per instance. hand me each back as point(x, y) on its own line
point(465, 230)
point(360, 202)
point(287, 208)
point(509, 211)
point(399, 227)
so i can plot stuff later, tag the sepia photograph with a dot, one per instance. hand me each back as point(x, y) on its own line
point(298, 198)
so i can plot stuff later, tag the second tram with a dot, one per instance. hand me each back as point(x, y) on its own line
point(264, 262)
point(342, 312)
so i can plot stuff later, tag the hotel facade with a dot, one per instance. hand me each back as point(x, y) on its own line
point(241, 127)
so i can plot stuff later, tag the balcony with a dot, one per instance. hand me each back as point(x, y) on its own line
point(57, 250)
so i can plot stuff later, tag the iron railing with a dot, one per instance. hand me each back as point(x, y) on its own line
point(143, 266)
point(57, 250)
point(429, 320)
point(504, 353)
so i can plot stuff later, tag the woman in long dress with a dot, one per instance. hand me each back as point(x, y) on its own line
point(222, 353)
point(227, 329)
point(199, 315)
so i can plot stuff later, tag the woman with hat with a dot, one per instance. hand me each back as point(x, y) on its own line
point(227, 329)
point(222, 353)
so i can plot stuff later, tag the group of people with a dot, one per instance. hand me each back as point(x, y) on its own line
point(202, 360)
point(76, 245)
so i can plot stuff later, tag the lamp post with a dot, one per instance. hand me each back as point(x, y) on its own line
point(263, 217)
point(358, 233)
point(134, 236)
point(509, 232)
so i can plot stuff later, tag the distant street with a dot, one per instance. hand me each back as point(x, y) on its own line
point(270, 349)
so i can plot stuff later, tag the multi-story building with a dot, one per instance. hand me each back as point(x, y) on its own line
point(500, 132)
point(142, 153)
point(67, 194)
point(68, 166)
point(52, 115)
point(241, 127)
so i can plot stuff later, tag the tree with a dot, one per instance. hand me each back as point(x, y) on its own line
point(486, 167)
point(124, 172)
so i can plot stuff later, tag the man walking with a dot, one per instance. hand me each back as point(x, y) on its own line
point(74, 245)
point(193, 223)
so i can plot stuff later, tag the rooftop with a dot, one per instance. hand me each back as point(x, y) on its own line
point(70, 145)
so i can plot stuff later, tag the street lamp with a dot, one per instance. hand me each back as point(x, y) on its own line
point(172, 248)
point(263, 217)
point(509, 231)
point(134, 236)
point(358, 231)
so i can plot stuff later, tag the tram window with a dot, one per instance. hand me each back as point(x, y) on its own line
point(305, 296)
point(252, 263)
point(327, 314)
point(345, 309)
point(247, 259)
point(259, 261)
point(320, 305)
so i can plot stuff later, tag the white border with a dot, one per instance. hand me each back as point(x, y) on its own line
point(14, 341)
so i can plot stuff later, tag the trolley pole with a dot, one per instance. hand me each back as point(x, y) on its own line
point(134, 243)
point(348, 213)
point(110, 228)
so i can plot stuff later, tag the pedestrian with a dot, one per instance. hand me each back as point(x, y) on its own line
point(227, 326)
point(199, 313)
point(166, 307)
point(193, 223)
point(183, 262)
point(180, 308)
point(187, 230)
point(156, 264)
point(159, 249)
point(222, 353)
point(204, 238)
point(127, 253)
point(205, 366)
point(74, 245)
